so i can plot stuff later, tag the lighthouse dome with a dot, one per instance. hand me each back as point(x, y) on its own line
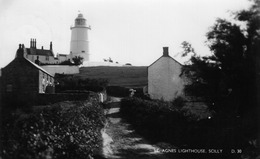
point(80, 15)
point(80, 20)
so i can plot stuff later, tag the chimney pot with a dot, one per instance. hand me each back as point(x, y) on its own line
point(34, 43)
point(42, 47)
point(50, 45)
point(20, 52)
point(165, 51)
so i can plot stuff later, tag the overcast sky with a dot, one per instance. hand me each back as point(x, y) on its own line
point(128, 31)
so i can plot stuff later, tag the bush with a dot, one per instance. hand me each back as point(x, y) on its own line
point(163, 121)
point(117, 91)
point(61, 131)
point(69, 82)
point(178, 102)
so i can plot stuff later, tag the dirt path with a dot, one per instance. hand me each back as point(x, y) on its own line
point(121, 141)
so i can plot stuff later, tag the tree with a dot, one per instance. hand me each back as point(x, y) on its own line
point(187, 48)
point(202, 74)
point(227, 78)
point(78, 60)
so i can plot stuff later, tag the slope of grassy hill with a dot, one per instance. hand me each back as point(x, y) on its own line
point(132, 76)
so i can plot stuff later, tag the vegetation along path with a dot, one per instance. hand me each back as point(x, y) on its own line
point(121, 141)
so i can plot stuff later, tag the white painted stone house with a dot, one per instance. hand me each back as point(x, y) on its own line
point(164, 78)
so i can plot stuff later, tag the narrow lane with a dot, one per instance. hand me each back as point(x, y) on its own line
point(121, 141)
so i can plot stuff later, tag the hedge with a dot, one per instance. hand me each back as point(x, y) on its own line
point(63, 130)
point(70, 82)
point(117, 91)
point(162, 121)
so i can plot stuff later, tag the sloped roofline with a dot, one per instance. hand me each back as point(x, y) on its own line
point(165, 56)
point(35, 65)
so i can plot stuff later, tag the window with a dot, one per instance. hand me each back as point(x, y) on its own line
point(9, 88)
point(83, 51)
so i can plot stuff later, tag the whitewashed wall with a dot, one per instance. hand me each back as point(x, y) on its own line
point(164, 81)
point(61, 69)
point(42, 59)
point(62, 58)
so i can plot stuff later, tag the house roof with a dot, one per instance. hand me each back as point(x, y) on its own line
point(167, 57)
point(20, 56)
point(38, 67)
point(35, 65)
point(40, 52)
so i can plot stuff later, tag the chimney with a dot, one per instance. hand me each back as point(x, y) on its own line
point(165, 51)
point(31, 43)
point(34, 43)
point(20, 51)
point(42, 47)
point(50, 45)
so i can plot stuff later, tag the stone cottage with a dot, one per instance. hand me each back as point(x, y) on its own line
point(164, 78)
point(22, 79)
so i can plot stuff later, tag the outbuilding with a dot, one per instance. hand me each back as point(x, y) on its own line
point(164, 78)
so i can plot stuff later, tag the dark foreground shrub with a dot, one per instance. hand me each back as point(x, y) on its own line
point(162, 121)
point(117, 91)
point(70, 82)
point(64, 130)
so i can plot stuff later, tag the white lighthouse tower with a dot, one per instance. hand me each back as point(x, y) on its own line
point(79, 44)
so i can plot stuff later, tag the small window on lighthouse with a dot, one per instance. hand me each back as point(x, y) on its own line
point(83, 51)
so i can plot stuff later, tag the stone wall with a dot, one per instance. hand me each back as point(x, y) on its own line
point(20, 77)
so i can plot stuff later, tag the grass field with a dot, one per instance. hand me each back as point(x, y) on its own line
point(132, 76)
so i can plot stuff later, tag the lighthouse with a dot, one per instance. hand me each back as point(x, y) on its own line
point(79, 44)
